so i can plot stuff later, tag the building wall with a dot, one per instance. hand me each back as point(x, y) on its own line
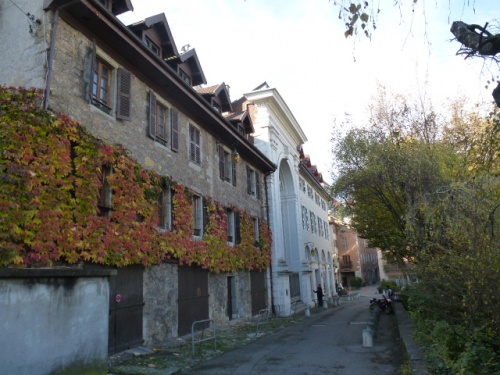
point(369, 263)
point(321, 263)
point(25, 65)
point(160, 314)
point(217, 286)
point(347, 235)
point(23, 52)
point(277, 135)
point(54, 322)
point(68, 96)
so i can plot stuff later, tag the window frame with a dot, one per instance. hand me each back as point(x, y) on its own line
point(305, 222)
point(302, 184)
point(310, 192)
point(197, 206)
point(253, 182)
point(152, 46)
point(97, 85)
point(162, 113)
point(227, 166)
point(185, 77)
point(194, 144)
point(231, 226)
point(313, 221)
point(119, 86)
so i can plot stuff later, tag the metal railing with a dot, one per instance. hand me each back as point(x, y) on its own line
point(201, 337)
point(263, 317)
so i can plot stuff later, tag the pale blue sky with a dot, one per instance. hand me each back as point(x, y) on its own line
point(298, 47)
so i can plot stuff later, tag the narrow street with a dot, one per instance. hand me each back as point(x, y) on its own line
point(329, 342)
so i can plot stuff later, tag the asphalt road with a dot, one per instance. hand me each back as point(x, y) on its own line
point(329, 342)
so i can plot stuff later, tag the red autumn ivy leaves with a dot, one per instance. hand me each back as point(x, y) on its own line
point(51, 176)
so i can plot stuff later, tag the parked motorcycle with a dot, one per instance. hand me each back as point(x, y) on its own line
point(383, 304)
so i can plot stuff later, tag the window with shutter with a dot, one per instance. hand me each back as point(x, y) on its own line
point(205, 214)
point(174, 129)
point(101, 85)
point(253, 182)
point(230, 225)
point(233, 172)
point(237, 228)
point(249, 180)
point(194, 144)
point(152, 115)
point(161, 123)
point(227, 166)
point(257, 185)
point(197, 216)
point(124, 89)
point(222, 163)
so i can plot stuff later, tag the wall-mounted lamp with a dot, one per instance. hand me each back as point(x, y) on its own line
point(313, 252)
point(235, 156)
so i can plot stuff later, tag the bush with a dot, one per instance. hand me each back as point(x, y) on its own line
point(385, 284)
point(356, 282)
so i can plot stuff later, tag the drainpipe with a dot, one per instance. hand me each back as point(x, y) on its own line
point(50, 60)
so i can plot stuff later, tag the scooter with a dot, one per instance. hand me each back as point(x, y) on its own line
point(383, 304)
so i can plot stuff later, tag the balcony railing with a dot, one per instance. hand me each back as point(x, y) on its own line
point(344, 265)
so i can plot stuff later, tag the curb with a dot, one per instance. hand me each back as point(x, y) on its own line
point(406, 330)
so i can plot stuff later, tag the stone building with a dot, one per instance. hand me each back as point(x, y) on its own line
point(348, 253)
point(132, 86)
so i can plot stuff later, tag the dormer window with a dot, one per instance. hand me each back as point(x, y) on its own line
point(185, 77)
point(216, 106)
point(241, 128)
point(152, 46)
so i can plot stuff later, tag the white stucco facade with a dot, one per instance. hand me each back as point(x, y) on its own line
point(318, 249)
point(279, 136)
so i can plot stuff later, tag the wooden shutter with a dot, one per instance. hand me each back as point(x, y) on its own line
point(124, 89)
point(257, 185)
point(192, 146)
point(161, 208)
point(249, 180)
point(152, 115)
point(205, 215)
point(233, 172)
point(237, 227)
point(174, 129)
point(198, 145)
point(222, 162)
point(93, 56)
point(172, 209)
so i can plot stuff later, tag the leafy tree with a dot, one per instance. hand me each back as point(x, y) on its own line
point(428, 193)
point(475, 137)
point(457, 232)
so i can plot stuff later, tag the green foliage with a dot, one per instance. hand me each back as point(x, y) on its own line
point(385, 284)
point(51, 178)
point(429, 195)
point(356, 282)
